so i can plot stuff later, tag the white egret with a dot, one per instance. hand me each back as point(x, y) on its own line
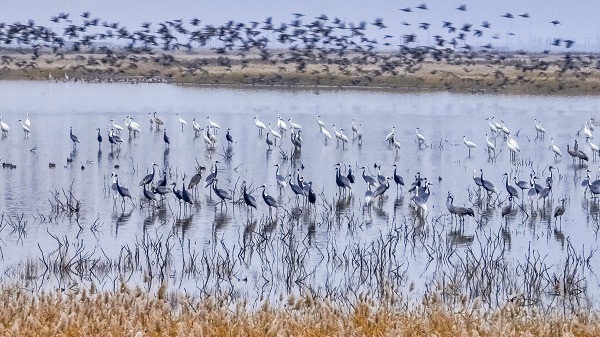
point(555, 149)
point(420, 138)
point(3, 126)
point(213, 124)
point(260, 125)
point(274, 133)
point(116, 127)
point(25, 129)
point(182, 121)
point(294, 125)
point(326, 133)
point(491, 147)
point(469, 144)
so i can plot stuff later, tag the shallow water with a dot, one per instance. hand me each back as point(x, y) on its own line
point(443, 119)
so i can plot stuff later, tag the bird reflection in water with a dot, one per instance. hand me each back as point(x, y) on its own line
point(184, 224)
point(122, 220)
point(506, 237)
point(458, 237)
point(249, 229)
point(221, 220)
point(342, 204)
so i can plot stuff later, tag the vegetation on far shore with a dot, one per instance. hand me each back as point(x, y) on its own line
point(518, 73)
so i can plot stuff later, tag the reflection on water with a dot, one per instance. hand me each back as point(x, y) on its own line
point(442, 118)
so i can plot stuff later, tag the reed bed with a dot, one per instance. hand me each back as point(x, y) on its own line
point(274, 281)
point(136, 312)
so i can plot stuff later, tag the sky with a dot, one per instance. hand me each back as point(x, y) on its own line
point(579, 21)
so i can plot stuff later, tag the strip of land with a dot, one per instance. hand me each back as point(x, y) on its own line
point(514, 73)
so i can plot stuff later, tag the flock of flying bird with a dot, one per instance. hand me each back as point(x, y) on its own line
point(376, 185)
point(335, 45)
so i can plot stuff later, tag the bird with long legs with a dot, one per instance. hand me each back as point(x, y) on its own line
point(269, 142)
point(458, 211)
point(187, 196)
point(260, 125)
point(213, 125)
point(25, 129)
point(196, 179)
point(396, 144)
point(343, 138)
point(488, 185)
point(197, 127)
point(369, 179)
point(181, 121)
point(269, 200)
point(276, 135)
point(390, 136)
point(491, 147)
point(477, 180)
point(150, 196)
point(354, 128)
point(228, 137)
point(99, 138)
point(593, 147)
point(555, 149)
point(380, 191)
point(397, 179)
point(325, 133)
point(221, 193)
point(470, 145)
point(492, 125)
point(248, 198)
point(131, 125)
point(149, 177)
point(320, 122)
point(123, 191)
point(341, 181)
point(177, 194)
point(4, 127)
point(294, 125)
point(281, 181)
point(420, 138)
point(157, 121)
point(166, 138)
point(350, 175)
point(512, 191)
point(116, 127)
point(281, 125)
point(540, 131)
point(73, 137)
point(560, 210)
point(523, 185)
point(213, 175)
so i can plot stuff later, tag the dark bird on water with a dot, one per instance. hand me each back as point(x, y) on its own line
point(166, 138)
point(73, 137)
point(560, 210)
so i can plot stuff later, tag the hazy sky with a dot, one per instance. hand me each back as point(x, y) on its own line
point(579, 19)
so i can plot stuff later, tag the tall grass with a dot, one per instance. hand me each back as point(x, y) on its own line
point(135, 312)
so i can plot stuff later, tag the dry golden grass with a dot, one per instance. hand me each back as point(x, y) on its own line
point(134, 312)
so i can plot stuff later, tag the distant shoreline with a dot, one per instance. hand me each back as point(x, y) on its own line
point(514, 76)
